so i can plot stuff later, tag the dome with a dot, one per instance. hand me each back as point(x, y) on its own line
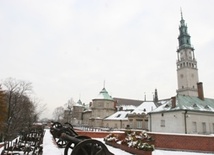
point(103, 95)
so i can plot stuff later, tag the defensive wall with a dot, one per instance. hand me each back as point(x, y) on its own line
point(169, 141)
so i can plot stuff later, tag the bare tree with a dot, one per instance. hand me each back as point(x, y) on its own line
point(58, 113)
point(21, 109)
point(39, 108)
point(69, 105)
point(3, 113)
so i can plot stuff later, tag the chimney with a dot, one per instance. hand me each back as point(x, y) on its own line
point(173, 100)
point(200, 90)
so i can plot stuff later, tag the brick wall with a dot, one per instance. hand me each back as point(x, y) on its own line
point(201, 143)
point(93, 134)
point(184, 142)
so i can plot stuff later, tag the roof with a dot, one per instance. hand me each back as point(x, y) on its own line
point(78, 103)
point(126, 107)
point(145, 107)
point(119, 115)
point(123, 101)
point(103, 95)
point(190, 103)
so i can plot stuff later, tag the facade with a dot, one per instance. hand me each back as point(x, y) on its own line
point(77, 114)
point(118, 120)
point(86, 115)
point(189, 111)
point(102, 106)
point(74, 114)
point(184, 114)
point(138, 119)
point(67, 115)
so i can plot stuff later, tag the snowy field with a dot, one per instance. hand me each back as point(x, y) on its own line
point(50, 148)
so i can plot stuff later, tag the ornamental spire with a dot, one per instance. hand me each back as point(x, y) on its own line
point(181, 14)
point(184, 37)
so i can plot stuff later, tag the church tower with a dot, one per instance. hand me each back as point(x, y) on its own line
point(187, 71)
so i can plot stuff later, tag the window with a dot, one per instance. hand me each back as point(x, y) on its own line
point(194, 127)
point(115, 125)
point(204, 127)
point(118, 115)
point(162, 123)
point(195, 105)
point(206, 107)
point(139, 124)
point(130, 124)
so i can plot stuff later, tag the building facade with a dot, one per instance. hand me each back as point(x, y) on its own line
point(102, 106)
point(188, 112)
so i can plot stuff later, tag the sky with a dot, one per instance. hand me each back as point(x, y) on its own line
point(73, 48)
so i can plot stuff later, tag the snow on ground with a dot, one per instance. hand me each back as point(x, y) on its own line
point(50, 147)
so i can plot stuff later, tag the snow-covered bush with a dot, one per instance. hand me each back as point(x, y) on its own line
point(135, 139)
point(111, 138)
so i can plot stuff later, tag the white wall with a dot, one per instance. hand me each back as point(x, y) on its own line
point(200, 118)
point(175, 122)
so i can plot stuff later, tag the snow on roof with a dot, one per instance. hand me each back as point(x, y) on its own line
point(191, 103)
point(78, 103)
point(127, 107)
point(145, 107)
point(119, 115)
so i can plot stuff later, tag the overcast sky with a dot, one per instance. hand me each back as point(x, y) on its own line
point(68, 48)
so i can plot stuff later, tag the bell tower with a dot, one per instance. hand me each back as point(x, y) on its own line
point(187, 71)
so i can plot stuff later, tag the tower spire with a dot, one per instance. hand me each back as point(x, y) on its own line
point(181, 14)
point(184, 37)
point(187, 71)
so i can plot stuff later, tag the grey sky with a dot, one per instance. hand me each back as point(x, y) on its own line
point(68, 48)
